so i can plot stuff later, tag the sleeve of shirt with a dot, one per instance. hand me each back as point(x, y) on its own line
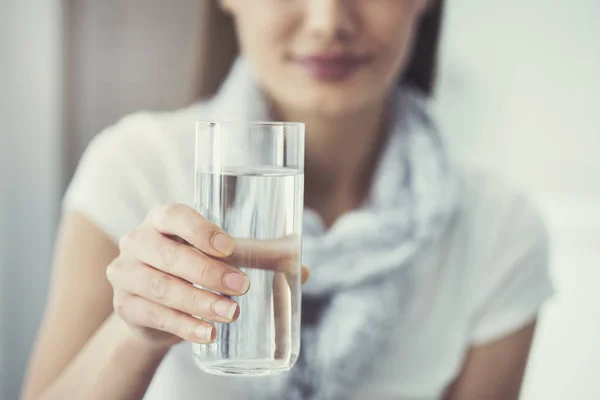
point(112, 186)
point(514, 281)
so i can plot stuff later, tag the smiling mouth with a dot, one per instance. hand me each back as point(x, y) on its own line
point(331, 67)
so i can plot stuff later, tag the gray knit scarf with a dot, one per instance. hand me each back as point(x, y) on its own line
point(360, 266)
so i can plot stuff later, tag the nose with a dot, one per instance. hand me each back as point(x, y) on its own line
point(332, 20)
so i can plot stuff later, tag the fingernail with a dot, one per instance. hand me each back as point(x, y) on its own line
point(225, 309)
point(237, 281)
point(204, 332)
point(222, 243)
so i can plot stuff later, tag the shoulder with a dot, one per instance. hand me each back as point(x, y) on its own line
point(496, 208)
point(152, 146)
point(150, 129)
point(505, 268)
point(143, 160)
point(495, 220)
point(497, 230)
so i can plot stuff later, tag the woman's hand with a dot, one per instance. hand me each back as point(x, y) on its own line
point(153, 277)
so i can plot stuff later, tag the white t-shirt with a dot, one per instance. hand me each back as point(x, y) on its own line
point(484, 279)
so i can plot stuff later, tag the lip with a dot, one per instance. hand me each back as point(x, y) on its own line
point(331, 67)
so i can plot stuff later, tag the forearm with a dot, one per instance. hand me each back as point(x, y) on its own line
point(113, 365)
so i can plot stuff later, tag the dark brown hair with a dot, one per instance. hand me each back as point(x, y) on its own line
point(421, 70)
point(217, 43)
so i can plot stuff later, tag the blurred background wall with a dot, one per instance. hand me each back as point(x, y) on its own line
point(122, 56)
point(30, 165)
point(519, 94)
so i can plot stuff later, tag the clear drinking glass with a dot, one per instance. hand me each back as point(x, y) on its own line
point(250, 182)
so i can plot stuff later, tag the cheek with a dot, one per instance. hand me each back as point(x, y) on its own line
point(262, 30)
point(392, 35)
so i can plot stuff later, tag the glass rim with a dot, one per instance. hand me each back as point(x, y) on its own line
point(273, 124)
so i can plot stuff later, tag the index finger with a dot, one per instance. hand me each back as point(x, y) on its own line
point(277, 254)
point(183, 221)
point(281, 254)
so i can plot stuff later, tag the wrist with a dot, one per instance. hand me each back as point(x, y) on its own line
point(134, 340)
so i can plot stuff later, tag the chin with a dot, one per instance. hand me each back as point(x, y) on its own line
point(337, 110)
point(324, 106)
point(339, 103)
point(325, 99)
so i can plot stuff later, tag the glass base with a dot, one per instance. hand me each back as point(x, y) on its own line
point(241, 367)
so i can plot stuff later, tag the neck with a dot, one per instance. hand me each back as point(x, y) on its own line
point(340, 153)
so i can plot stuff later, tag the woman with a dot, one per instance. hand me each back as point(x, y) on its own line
point(436, 297)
